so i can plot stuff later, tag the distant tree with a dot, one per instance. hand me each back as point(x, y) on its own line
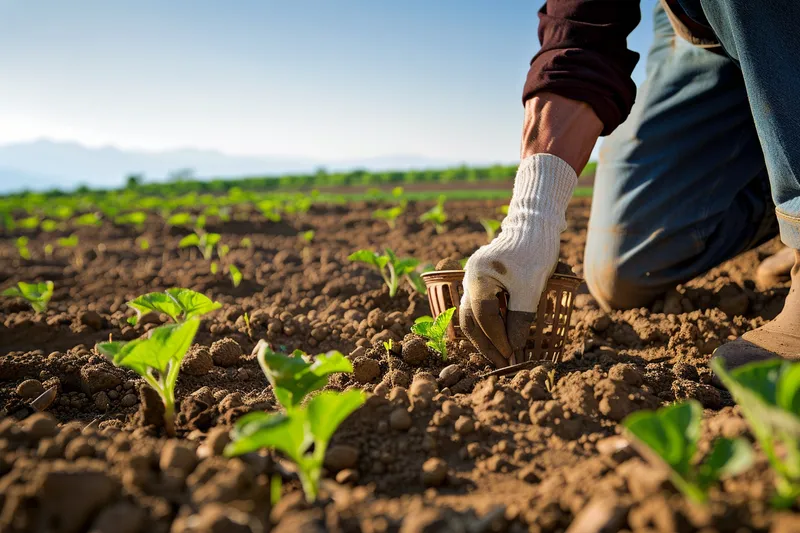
point(134, 181)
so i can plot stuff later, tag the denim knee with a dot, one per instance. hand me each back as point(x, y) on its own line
point(617, 284)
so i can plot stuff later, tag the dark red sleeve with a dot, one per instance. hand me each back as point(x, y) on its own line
point(585, 56)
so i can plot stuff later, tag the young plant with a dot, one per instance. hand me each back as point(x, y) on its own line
point(302, 433)
point(491, 226)
point(247, 325)
point(22, 248)
point(390, 267)
point(308, 236)
point(436, 215)
point(236, 275)
point(157, 359)
point(768, 394)
point(391, 214)
point(388, 345)
point(36, 294)
point(293, 376)
point(205, 242)
point(88, 219)
point(68, 242)
point(435, 330)
point(136, 219)
point(179, 304)
point(670, 435)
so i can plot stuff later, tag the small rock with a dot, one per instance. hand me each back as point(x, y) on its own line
point(398, 378)
point(91, 319)
point(30, 389)
point(415, 351)
point(376, 319)
point(348, 476)
point(129, 400)
point(101, 401)
point(450, 375)
point(601, 323)
point(198, 361)
point(366, 370)
point(341, 456)
point(96, 378)
point(400, 420)
point(434, 472)
point(464, 425)
point(226, 352)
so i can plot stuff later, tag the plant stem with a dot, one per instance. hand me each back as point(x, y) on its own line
point(392, 281)
point(169, 418)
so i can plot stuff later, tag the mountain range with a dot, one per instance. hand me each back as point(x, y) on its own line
point(46, 164)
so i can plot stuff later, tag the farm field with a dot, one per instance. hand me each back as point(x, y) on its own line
point(435, 446)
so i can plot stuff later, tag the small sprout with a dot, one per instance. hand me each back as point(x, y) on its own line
point(144, 244)
point(247, 325)
point(214, 268)
point(293, 377)
point(302, 433)
point(49, 226)
point(246, 242)
point(391, 214)
point(22, 248)
point(275, 489)
point(223, 250)
point(89, 219)
point(48, 250)
point(31, 222)
point(179, 304)
point(490, 226)
point(397, 192)
point(157, 359)
point(137, 219)
point(236, 275)
point(36, 294)
point(768, 393)
point(308, 236)
point(435, 330)
point(180, 219)
point(390, 267)
point(670, 435)
point(388, 345)
point(503, 210)
point(205, 242)
point(436, 215)
point(68, 242)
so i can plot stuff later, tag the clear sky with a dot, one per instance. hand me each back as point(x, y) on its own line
point(322, 79)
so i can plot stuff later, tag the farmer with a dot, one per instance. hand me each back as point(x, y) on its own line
point(686, 180)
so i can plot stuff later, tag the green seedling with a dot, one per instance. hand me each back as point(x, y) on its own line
point(388, 345)
point(246, 242)
point(136, 219)
point(48, 250)
point(205, 242)
point(223, 250)
point(435, 330)
point(49, 226)
point(397, 192)
point(213, 268)
point(36, 294)
point(236, 275)
point(669, 436)
point(179, 304)
point(390, 267)
point(275, 489)
point(436, 215)
point(88, 219)
point(302, 433)
point(68, 242)
point(28, 222)
point(144, 244)
point(768, 394)
point(247, 325)
point(294, 376)
point(503, 209)
point(390, 215)
point(308, 236)
point(22, 248)
point(157, 359)
point(490, 226)
point(180, 219)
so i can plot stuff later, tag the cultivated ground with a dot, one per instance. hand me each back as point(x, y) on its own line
point(430, 450)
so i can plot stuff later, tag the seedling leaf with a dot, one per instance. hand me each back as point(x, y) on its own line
point(38, 295)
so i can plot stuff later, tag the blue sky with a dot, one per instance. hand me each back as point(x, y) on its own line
point(322, 79)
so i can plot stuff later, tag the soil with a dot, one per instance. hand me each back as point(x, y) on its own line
point(436, 446)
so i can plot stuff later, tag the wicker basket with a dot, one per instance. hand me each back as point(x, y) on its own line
point(548, 333)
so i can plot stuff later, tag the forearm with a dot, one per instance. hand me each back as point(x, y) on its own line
point(565, 128)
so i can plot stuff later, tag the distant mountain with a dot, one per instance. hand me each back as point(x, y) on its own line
point(45, 164)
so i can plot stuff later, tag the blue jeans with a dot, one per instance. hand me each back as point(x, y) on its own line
point(684, 183)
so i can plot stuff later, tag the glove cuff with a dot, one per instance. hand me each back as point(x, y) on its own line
point(543, 187)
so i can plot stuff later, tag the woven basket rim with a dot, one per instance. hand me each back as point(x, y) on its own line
point(461, 272)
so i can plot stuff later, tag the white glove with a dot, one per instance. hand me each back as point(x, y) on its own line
point(518, 261)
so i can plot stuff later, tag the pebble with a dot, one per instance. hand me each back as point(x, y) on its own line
point(226, 352)
point(341, 457)
point(101, 401)
point(198, 361)
point(348, 476)
point(400, 420)
point(464, 425)
point(366, 370)
point(434, 472)
point(91, 319)
point(129, 400)
point(450, 375)
point(30, 388)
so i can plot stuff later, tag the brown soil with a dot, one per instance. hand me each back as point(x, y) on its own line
point(435, 448)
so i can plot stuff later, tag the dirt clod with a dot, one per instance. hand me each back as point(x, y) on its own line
point(226, 352)
point(366, 370)
point(434, 472)
point(198, 361)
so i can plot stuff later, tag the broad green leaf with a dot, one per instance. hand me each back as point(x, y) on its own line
point(365, 256)
point(423, 329)
point(327, 410)
point(671, 432)
point(212, 238)
point(190, 240)
point(192, 303)
point(443, 320)
point(158, 302)
point(49, 225)
point(284, 432)
point(404, 266)
point(180, 219)
point(728, 457)
point(788, 388)
point(424, 318)
point(88, 219)
point(167, 344)
point(417, 282)
point(38, 295)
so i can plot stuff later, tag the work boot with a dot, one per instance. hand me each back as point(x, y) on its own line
point(775, 269)
point(778, 338)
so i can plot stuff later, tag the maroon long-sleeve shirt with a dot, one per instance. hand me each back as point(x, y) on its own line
point(585, 57)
